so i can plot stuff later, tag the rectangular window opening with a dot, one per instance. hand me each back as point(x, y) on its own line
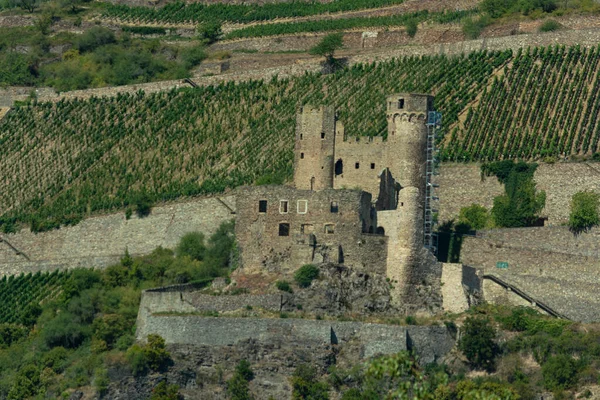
point(301, 136)
point(334, 207)
point(262, 206)
point(302, 206)
point(283, 206)
point(372, 165)
point(330, 229)
point(322, 135)
point(284, 229)
point(357, 165)
point(401, 104)
point(302, 155)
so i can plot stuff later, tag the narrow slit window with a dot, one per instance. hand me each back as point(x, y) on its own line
point(301, 136)
point(372, 165)
point(322, 135)
point(302, 155)
point(284, 229)
point(357, 165)
point(330, 229)
point(262, 206)
point(302, 206)
point(401, 104)
point(334, 207)
point(283, 206)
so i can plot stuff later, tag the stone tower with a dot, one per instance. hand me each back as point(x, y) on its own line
point(407, 136)
point(314, 149)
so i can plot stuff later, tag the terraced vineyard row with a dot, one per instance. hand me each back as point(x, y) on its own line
point(181, 12)
point(346, 23)
point(18, 293)
point(545, 104)
point(62, 161)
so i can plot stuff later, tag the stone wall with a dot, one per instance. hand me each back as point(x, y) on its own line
point(431, 343)
point(461, 185)
point(101, 241)
point(320, 226)
point(549, 264)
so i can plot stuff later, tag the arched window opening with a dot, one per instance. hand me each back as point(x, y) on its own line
point(380, 230)
point(339, 167)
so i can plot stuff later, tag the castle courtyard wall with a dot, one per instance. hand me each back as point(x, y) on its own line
point(101, 241)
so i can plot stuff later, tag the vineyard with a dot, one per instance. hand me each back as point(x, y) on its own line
point(19, 293)
point(62, 161)
point(197, 12)
point(346, 23)
point(545, 104)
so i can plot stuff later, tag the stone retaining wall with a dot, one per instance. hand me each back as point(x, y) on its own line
point(101, 241)
point(461, 185)
point(430, 343)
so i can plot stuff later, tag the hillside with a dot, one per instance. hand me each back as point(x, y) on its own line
point(66, 160)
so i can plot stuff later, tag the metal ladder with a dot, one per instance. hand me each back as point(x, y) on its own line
point(434, 120)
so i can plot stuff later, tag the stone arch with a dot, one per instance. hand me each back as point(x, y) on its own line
point(380, 230)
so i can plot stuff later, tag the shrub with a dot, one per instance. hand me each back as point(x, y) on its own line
point(11, 333)
point(237, 386)
point(136, 357)
point(192, 56)
point(95, 37)
point(475, 216)
point(584, 211)
point(477, 342)
point(192, 245)
point(143, 206)
point(284, 286)
point(110, 327)
point(560, 372)
point(244, 370)
point(65, 331)
point(305, 275)
point(410, 320)
point(411, 26)
point(156, 353)
point(221, 246)
point(163, 391)
point(550, 25)
point(209, 31)
point(472, 28)
point(306, 386)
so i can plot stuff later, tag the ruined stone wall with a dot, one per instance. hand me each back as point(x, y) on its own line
point(101, 241)
point(327, 225)
point(461, 185)
point(430, 343)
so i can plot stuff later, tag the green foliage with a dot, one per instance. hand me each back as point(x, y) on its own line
point(550, 25)
point(241, 13)
point(144, 30)
point(412, 25)
point(221, 246)
point(475, 216)
point(243, 369)
point(237, 386)
point(305, 384)
point(163, 391)
point(94, 38)
point(11, 333)
point(472, 27)
point(560, 372)
point(284, 286)
point(143, 206)
point(499, 8)
point(192, 56)
point(17, 69)
point(65, 330)
point(209, 31)
point(192, 245)
point(584, 211)
point(110, 327)
point(305, 275)
point(136, 357)
point(477, 342)
point(328, 45)
point(521, 204)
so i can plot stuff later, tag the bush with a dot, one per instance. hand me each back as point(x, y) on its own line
point(306, 386)
point(143, 206)
point(65, 331)
point(560, 372)
point(221, 246)
point(163, 391)
point(244, 370)
point(192, 245)
point(475, 216)
point(477, 342)
point(136, 357)
point(237, 386)
point(411, 26)
point(305, 275)
point(584, 211)
point(472, 28)
point(209, 31)
point(156, 353)
point(192, 56)
point(95, 37)
point(284, 286)
point(550, 25)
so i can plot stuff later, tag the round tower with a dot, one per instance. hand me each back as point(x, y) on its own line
point(407, 158)
point(314, 149)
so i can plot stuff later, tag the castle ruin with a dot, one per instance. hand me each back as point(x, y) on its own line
point(358, 201)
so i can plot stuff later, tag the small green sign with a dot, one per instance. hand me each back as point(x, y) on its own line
point(502, 264)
